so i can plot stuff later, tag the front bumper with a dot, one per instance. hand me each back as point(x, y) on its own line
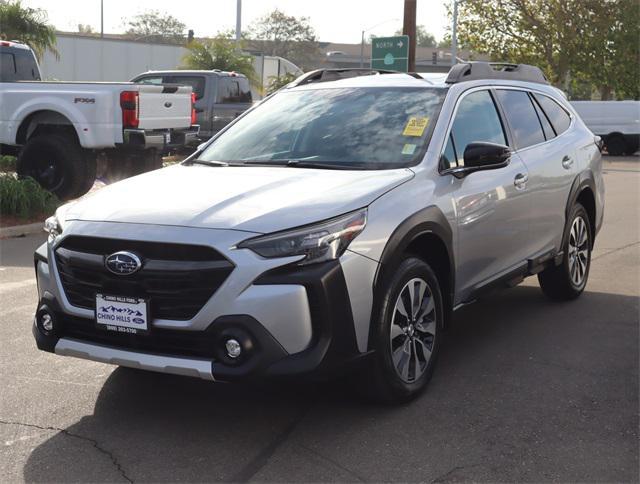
point(291, 320)
point(160, 139)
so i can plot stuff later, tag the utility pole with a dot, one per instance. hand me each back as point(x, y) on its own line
point(238, 21)
point(101, 19)
point(409, 28)
point(454, 34)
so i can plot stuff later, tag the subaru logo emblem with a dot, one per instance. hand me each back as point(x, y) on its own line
point(123, 263)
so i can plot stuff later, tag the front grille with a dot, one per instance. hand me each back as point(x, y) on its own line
point(176, 279)
point(160, 341)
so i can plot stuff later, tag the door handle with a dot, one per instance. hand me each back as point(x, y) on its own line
point(520, 181)
point(567, 162)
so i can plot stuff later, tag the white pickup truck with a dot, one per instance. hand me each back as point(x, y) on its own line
point(59, 129)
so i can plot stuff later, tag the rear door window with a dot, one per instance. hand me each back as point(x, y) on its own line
point(26, 66)
point(559, 118)
point(234, 90)
point(522, 118)
point(195, 82)
point(476, 120)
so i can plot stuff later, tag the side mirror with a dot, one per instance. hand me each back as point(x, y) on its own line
point(482, 156)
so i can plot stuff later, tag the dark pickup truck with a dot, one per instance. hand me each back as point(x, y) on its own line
point(220, 96)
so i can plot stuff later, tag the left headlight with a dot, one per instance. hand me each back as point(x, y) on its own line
point(318, 242)
point(52, 227)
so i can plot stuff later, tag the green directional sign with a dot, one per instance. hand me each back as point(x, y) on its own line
point(391, 53)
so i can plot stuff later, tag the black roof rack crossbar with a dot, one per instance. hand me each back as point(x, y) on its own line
point(471, 71)
point(325, 75)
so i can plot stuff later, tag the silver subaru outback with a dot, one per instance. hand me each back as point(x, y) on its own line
point(342, 220)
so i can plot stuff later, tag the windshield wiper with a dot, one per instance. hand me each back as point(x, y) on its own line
point(325, 165)
point(206, 162)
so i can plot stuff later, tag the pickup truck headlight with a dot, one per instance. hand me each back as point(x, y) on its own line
point(318, 243)
point(52, 227)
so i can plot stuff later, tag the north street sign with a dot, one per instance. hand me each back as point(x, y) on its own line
point(390, 53)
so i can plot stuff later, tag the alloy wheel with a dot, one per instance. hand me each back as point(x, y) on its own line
point(578, 251)
point(413, 330)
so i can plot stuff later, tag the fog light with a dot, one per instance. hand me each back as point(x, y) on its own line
point(46, 321)
point(233, 348)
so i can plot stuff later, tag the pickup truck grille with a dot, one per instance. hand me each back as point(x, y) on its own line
point(177, 279)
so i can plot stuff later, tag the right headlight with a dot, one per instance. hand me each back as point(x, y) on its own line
point(318, 242)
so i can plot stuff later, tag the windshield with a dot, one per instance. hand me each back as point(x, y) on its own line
point(366, 128)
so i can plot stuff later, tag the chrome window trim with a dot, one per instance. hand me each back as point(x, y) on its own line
point(489, 87)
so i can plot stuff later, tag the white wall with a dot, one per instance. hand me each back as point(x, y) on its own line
point(94, 59)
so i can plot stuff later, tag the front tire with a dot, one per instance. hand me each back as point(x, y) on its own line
point(407, 333)
point(568, 280)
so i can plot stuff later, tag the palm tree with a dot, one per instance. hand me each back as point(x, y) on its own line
point(27, 25)
point(219, 53)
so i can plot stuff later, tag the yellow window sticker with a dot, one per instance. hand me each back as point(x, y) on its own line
point(415, 126)
point(408, 149)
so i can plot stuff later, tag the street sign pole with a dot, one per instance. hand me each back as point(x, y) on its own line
point(390, 53)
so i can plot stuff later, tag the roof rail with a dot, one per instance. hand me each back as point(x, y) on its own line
point(471, 71)
point(324, 75)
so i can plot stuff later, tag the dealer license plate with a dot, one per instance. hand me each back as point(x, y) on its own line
point(122, 314)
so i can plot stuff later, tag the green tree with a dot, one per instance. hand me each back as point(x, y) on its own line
point(423, 38)
point(588, 41)
point(153, 23)
point(287, 36)
point(27, 25)
point(276, 82)
point(219, 53)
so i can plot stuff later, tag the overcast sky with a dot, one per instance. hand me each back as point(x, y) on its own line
point(333, 20)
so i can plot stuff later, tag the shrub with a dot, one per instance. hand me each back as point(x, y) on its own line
point(24, 198)
point(7, 163)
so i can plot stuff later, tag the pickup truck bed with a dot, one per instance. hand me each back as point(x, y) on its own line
point(127, 124)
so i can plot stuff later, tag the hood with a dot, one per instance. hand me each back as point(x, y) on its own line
point(253, 199)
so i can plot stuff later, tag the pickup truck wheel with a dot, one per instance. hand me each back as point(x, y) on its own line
point(407, 334)
point(567, 280)
point(55, 162)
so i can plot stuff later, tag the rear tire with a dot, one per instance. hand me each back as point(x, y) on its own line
point(407, 334)
point(56, 162)
point(567, 280)
point(616, 145)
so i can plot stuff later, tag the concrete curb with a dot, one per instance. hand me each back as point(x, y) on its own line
point(20, 230)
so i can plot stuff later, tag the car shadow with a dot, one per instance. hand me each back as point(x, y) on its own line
point(157, 427)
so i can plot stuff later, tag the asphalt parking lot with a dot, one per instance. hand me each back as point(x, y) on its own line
point(526, 390)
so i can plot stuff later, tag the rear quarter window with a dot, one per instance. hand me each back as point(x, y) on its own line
point(560, 119)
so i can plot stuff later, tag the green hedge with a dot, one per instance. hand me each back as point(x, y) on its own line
point(25, 198)
point(7, 163)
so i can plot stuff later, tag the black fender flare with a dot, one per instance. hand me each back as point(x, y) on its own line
point(581, 181)
point(429, 220)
